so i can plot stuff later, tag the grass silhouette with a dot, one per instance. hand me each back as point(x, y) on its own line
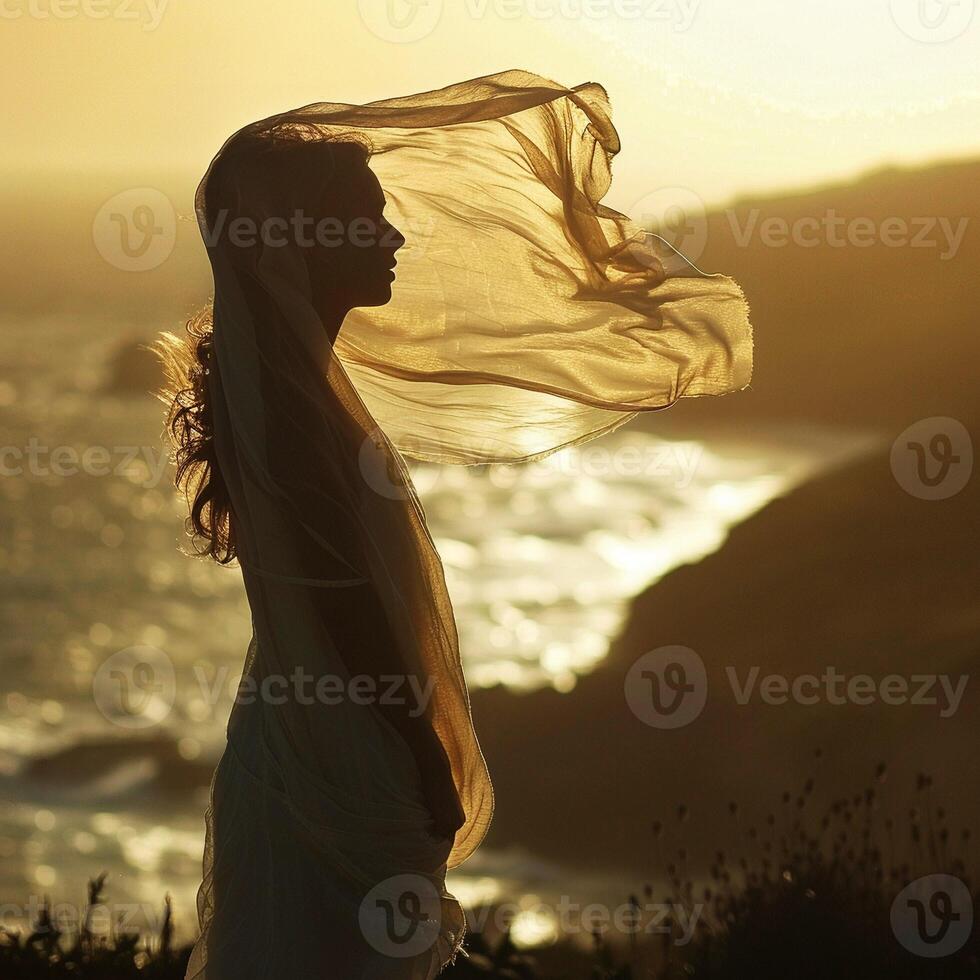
point(810, 898)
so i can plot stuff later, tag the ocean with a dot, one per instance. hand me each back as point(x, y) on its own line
point(541, 562)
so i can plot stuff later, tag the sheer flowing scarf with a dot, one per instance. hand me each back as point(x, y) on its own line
point(526, 317)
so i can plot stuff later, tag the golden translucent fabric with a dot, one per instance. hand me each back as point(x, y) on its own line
point(526, 316)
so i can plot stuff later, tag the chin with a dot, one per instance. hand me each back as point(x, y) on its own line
point(377, 297)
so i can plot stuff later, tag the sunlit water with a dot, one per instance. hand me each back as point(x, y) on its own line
point(541, 561)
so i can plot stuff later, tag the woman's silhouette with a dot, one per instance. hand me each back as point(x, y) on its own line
point(531, 317)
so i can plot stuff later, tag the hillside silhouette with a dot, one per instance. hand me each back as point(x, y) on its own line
point(849, 571)
point(864, 336)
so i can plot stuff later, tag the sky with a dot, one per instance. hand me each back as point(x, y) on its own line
point(717, 96)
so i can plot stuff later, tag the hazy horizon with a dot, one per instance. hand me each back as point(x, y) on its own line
point(86, 180)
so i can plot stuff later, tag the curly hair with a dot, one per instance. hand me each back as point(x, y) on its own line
point(190, 427)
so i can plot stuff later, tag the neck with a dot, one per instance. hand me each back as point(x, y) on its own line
point(331, 308)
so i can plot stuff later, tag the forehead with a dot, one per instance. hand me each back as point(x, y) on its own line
point(373, 191)
point(347, 179)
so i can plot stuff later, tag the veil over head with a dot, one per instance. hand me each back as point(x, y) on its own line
point(527, 317)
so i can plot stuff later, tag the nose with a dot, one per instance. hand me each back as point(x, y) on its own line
point(395, 238)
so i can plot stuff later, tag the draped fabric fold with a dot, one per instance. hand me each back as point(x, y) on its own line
point(527, 316)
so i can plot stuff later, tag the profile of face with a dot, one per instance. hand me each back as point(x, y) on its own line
point(352, 262)
point(320, 201)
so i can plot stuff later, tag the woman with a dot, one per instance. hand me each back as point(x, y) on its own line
point(528, 317)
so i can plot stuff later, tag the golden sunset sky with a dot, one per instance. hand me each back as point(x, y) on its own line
point(713, 95)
